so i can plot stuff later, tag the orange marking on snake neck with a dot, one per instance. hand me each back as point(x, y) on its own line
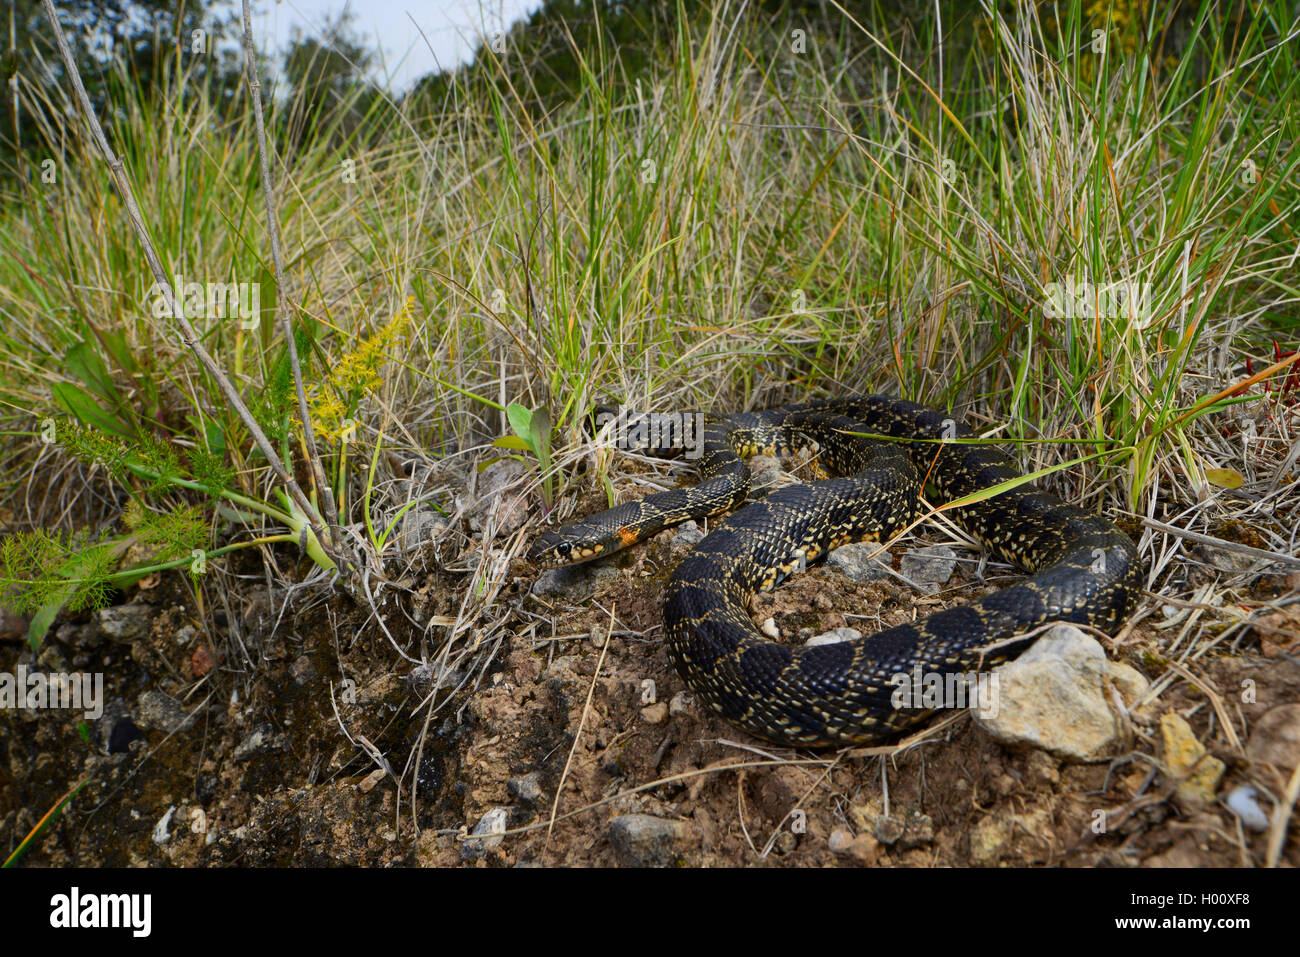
point(628, 536)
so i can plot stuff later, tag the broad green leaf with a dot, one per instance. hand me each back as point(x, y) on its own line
point(85, 409)
point(520, 419)
point(43, 618)
point(483, 466)
point(115, 343)
point(212, 429)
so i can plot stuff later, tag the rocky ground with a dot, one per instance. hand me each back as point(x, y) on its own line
point(291, 729)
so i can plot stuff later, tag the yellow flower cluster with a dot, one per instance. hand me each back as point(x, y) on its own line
point(355, 374)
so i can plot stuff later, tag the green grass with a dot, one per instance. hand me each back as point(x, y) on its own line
point(741, 226)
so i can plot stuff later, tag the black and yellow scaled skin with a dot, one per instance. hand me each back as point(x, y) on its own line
point(1083, 569)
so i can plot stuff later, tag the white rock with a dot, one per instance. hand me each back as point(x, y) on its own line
point(487, 833)
point(162, 831)
point(1052, 697)
point(834, 637)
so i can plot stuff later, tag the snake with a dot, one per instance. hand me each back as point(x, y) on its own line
point(879, 460)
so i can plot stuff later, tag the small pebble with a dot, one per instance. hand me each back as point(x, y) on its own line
point(527, 790)
point(162, 831)
point(201, 662)
point(840, 840)
point(688, 535)
point(834, 636)
point(486, 834)
point(932, 565)
point(888, 830)
point(1244, 803)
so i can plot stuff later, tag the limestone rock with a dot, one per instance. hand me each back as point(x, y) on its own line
point(1052, 697)
point(1197, 772)
point(855, 562)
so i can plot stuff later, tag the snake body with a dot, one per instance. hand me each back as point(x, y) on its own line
point(1082, 568)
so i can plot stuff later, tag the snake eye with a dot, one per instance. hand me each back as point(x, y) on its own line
point(563, 549)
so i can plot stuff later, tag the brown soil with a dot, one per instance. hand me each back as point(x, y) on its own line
point(276, 768)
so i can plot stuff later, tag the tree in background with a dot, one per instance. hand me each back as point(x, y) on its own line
point(114, 41)
point(329, 91)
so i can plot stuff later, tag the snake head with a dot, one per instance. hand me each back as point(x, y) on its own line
point(549, 549)
point(569, 545)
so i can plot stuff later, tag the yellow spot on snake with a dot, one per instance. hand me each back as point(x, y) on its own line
point(627, 535)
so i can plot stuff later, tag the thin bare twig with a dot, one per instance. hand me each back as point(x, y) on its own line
point(1281, 818)
point(277, 259)
point(1260, 553)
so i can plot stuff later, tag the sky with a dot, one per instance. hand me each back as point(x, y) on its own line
point(451, 28)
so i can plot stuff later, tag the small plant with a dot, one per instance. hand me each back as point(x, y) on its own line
point(532, 434)
point(44, 572)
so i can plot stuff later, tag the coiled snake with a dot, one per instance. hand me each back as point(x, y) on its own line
point(1083, 569)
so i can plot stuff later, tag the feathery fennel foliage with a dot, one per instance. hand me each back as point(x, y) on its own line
point(43, 571)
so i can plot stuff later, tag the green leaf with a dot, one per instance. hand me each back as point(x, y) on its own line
point(511, 442)
point(43, 618)
point(115, 343)
point(541, 440)
point(520, 419)
point(86, 571)
point(88, 366)
point(212, 430)
point(379, 544)
point(487, 463)
point(539, 436)
point(85, 409)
